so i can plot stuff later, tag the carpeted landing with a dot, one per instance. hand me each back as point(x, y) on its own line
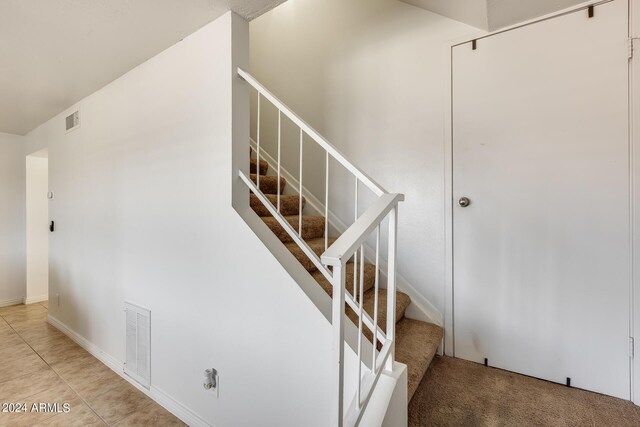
point(455, 392)
point(416, 342)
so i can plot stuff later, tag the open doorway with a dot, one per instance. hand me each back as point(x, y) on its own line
point(37, 187)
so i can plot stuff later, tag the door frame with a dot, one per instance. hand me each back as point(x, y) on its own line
point(634, 194)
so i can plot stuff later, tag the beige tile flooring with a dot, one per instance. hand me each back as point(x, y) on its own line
point(39, 364)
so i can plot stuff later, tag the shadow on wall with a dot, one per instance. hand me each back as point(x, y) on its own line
point(369, 75)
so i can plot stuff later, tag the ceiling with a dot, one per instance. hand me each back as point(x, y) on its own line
point(491, 15)
point(56, 52)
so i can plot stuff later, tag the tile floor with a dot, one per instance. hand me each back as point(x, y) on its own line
point(39, 364)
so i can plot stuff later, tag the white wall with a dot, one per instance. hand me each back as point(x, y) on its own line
point(12, 223)
point(37, 218)
point(143, 213)
point(370, 76)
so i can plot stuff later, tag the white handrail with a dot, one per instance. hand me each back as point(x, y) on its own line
point(346, 245)
point(333, 151)
point(315, 259)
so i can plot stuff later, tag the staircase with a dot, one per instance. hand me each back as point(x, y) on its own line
point(361, 290)
point(416, 341)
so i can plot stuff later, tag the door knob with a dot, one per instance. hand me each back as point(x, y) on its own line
point(463, 202)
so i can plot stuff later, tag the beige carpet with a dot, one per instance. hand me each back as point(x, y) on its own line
point(460, 393)
point(416, 341)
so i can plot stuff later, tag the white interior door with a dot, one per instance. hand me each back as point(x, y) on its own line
point(541, 149)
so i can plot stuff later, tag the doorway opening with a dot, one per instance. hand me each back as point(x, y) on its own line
point(37, 209)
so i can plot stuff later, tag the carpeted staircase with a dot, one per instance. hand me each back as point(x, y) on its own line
point(416, 341)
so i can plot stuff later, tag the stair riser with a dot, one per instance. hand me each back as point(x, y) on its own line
point(368, 283)
point(317, 247)
point(402, 302)
point(264, 166)
point(269, 184)
point(311, 228)
point(289, 205)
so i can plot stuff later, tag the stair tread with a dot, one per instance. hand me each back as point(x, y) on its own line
point(416, 344)
point(269, 183)
point(264, 166)
point(369, 278)
point(289, 204)
point(312, 226)
point(402, 302)
point(316, 245)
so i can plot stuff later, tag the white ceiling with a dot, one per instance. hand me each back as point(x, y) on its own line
point(472, 12)
point(53, 53)
point(491, 15)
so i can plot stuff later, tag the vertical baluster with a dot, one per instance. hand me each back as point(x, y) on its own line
point(337, 322)
point(300, 189)
point(258, 144)
point(391, 285)
point(360, 314)
point(361, 272)
point(355, 255)
point(355, 275)
point(279, 138)
point(326, 204)
point(375, 302)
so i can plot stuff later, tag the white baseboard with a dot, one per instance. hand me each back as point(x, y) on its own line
point(8, 302)
point(163, 399)
point(38, 298)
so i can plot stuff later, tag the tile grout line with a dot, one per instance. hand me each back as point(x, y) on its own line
point(69, 385)
point(53, 370)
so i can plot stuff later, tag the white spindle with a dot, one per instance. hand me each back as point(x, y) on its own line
point(391, 285)
point(300, 189)
point(355, 256)
point(326, 204)
point(279, 140)
point(258, 144)
point(355, 274)
point(360, 312)
point(375, 302)
point(361, 273)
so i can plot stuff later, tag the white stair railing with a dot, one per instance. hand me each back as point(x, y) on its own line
point(333, 262)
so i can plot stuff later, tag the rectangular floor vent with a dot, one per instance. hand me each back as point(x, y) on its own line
point(138, 347)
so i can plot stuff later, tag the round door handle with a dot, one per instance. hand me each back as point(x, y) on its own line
point(463, 202)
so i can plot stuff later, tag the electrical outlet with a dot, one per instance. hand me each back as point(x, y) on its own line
point(212, 381)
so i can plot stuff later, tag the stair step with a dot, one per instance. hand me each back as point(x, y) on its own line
point(289, 205)
point(264, 166)
point(312, 226)
point(416, 344)
point(316, 245)
point(269, 184)
point(369, 278)
point(402, 302)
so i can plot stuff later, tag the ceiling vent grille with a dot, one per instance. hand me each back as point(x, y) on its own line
point(138, 345)
point(72, 121)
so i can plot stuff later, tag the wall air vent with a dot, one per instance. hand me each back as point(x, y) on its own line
point(138, 344)
point(72, 121)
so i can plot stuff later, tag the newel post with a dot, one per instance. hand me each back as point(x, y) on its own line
point(391, 285)
point(337, 321)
